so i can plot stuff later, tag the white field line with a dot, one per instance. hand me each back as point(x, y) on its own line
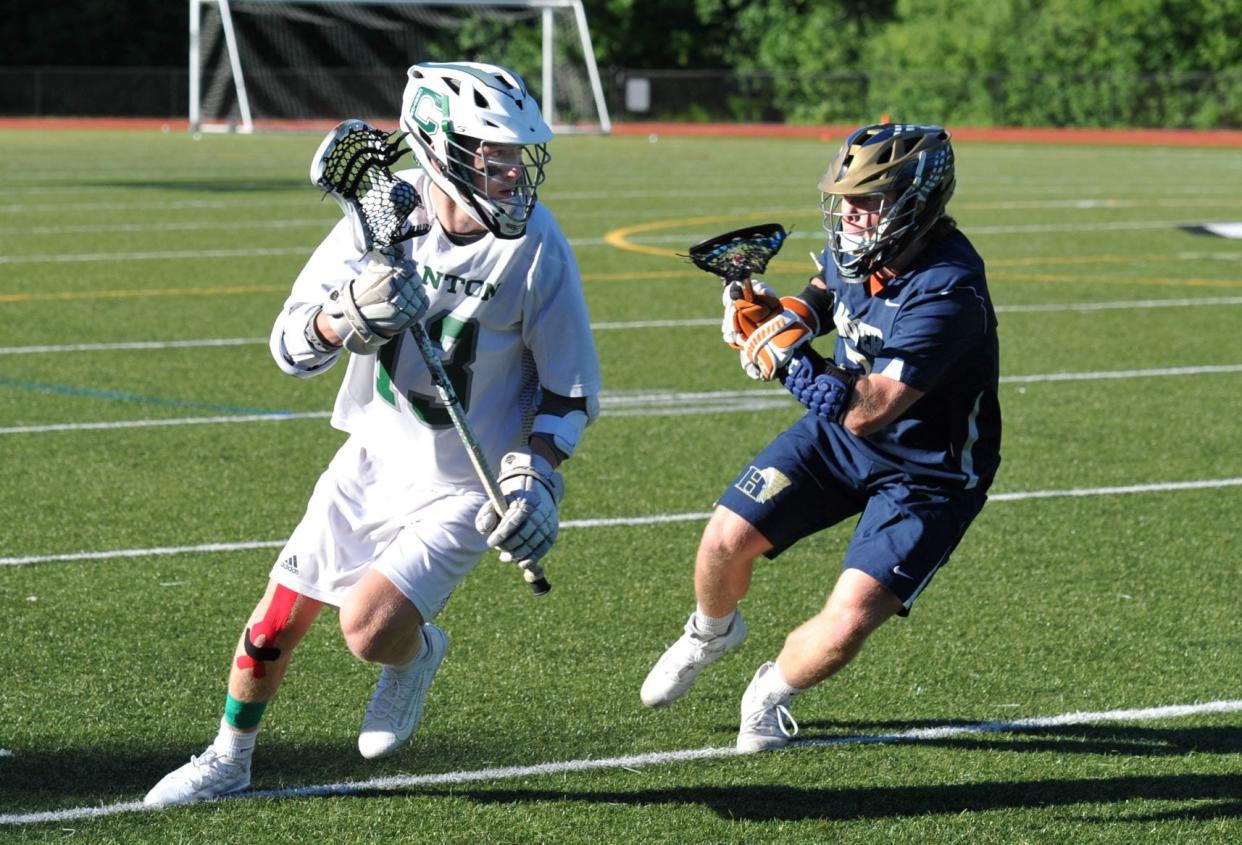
point(325, 222)
point(158, 255)
point(174, 421)
point(1117, 374)
point(552, 198)
point(640, 404)
point(142, 345)
point(187, 226)
point(392, 783)
point(1120, 305)
point(620, 521)
point(174, 254)
point(625, 325)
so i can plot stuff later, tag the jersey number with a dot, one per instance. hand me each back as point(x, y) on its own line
point(464, 335)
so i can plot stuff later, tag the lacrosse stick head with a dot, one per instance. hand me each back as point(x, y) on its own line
point(352, 166)
point(740, 254)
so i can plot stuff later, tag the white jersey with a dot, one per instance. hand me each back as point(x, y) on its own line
point(507, 316)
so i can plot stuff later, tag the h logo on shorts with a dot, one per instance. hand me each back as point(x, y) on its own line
point(761, 485)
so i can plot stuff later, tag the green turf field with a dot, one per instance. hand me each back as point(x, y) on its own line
point(139, 275)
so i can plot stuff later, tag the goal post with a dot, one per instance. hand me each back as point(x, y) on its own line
point(260, 64)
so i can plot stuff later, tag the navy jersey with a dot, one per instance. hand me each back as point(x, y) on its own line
point(932, 327)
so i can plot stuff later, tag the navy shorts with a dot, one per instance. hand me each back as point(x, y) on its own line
point(803, 482)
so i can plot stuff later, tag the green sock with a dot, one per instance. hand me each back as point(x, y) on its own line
point(243, 715)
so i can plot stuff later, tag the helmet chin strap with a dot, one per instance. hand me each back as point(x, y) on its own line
point(852, 245)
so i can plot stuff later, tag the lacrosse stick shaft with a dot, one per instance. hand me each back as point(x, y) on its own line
point(533, 573)
point(353, 161)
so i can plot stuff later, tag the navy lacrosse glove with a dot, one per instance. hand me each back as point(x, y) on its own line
point(821, 386)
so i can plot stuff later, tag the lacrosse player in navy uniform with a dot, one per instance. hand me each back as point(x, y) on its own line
point(902, 426)
point(399, 517)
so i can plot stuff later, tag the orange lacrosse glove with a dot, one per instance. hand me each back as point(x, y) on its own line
point(747, 305)
point(772, 345)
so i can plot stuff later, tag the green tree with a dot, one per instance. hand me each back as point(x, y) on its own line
point(1061, 62)
point(810, 51)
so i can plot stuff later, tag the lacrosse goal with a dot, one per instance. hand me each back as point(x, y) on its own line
point(260, 64)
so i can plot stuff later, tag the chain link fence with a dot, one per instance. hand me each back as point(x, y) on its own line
point(1157, 101)
point(94, 92)
point(1181, 100)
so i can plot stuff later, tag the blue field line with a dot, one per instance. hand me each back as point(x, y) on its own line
point(136, 398)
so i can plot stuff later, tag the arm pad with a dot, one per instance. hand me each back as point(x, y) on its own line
point(560, 421)
point(292, 346)
point(822, 302)
point(821, 386)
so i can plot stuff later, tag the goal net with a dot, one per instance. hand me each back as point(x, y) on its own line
point(271, 64)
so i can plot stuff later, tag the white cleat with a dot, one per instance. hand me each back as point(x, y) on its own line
point(396, 708)
point(677, 669)
point(767, 723)
point(205, 777)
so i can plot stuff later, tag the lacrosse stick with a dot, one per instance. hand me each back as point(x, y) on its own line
point(737, 255)
point(352, 166)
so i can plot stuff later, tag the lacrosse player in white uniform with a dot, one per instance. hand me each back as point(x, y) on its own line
point(399, 517)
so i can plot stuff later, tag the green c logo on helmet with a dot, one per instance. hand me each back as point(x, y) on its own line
point(433, 114)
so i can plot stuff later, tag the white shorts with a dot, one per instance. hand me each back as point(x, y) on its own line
point(363, 515)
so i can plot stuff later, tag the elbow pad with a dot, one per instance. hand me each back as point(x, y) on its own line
point(297, 347)
point(565, 430)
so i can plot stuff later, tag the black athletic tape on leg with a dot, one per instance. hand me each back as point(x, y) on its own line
point(259, 652)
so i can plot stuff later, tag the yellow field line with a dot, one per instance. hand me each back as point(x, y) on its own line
point(1143, 281)
point(652, 275)
point(44, 296)
point(619, 238)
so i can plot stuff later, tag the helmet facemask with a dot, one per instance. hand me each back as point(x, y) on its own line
point(859, 251)
point(499, 181)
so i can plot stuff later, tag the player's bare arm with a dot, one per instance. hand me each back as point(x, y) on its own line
point(323, 326)
point(877, 401)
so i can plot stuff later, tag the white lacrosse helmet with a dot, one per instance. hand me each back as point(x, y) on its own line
point(478, 133)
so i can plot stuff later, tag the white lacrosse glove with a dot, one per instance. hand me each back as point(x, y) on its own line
point(532, 490)
point(746, 306)
point(775, 343)
point(385, 299)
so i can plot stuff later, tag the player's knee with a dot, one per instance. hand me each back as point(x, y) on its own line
point(728, 537)
point(369, 639)
point(365, 646)
point(362, 635)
